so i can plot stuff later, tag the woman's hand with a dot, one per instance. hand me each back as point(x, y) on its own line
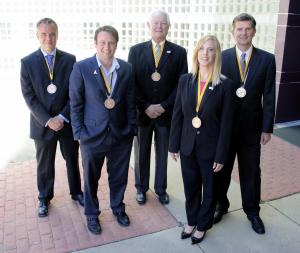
point(217, 166)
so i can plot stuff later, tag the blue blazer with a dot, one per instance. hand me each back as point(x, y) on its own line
point(172, 65)
point(255, 112)
point(43, 105)
point(90, 118)
point(216, 114)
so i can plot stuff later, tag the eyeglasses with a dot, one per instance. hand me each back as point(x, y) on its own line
point(159, 23)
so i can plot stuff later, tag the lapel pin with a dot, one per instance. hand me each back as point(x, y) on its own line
point(95, 72)
point(168, 52)
point(211, 88)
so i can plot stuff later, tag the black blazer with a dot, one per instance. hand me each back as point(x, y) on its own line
point(216, 114)
point(172, 65)
point(90, 118)
point(43, 105)
point(255, 112)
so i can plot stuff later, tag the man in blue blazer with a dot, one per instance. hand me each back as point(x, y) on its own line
point(253, 71)
point(103, 117)
point(45, 87)
point(157, 66)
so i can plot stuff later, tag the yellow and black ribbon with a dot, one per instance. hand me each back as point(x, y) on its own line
point(242, 74)
point(200, 93)
point(157, 59)
point(51, 75)
point(108, 85)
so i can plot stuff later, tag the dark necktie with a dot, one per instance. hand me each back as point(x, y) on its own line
point(243, 62)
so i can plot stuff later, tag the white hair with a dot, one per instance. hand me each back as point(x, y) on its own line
point(156, 13)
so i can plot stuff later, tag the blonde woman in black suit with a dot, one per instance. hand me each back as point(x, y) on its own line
point(200, 133)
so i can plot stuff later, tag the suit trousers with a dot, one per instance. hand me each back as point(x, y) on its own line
point(248, 157)
point(45, 156)
point(198, 181)
point(117, 163)
point(142, 155)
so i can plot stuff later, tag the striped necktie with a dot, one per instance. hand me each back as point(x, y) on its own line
point(243, 62)
point(157, 51)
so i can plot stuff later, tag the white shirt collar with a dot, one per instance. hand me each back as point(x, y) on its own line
point(51, 53)
point(115, 65)
point(248, 52)
point(160, 43)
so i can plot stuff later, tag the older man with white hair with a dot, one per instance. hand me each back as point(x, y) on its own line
point(157, 65)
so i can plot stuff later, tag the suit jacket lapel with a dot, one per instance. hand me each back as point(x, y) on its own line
point(253, 65)
point(57, 61)
point(149, 56)
point(120, 74)
point(42, 63)
point(193, 93)
point(165, 54)
point(237, 75)
point(205, 97)
point(96, 72)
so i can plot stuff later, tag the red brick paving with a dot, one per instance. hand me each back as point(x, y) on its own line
point(280, 169)
point(64, 230)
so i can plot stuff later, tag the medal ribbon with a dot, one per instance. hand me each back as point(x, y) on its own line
point(200, 92)
point(49, 69)
point(157, 59)
point(107, 85)
point(243, 75)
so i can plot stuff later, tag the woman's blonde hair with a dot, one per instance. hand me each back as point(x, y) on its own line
point(216, 72)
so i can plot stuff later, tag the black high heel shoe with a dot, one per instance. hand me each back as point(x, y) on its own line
point(196, 240)
point(185, 235)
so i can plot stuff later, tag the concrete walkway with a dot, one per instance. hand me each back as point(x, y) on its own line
point(233, 234)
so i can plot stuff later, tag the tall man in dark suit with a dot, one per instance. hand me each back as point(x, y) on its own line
point(253, 71)
point(157, 66)
point(45, 87)
point(103, 117)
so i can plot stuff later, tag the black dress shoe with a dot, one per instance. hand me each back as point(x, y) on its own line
point(257, 224)
point(185, 235)
point(123, 219)
point(93, 225)
point(219, 214)
point(164, 198)
point(79, 198)
point(196, 240)
point(141, 198)
point(43, 209)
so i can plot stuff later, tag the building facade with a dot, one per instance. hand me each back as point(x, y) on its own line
point(78, 19)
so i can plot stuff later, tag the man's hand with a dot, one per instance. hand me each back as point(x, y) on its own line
point(154, 111)
point(217, 166)
point(265, 138)
point(160, 109)
point(174, 156)
point(56, 123)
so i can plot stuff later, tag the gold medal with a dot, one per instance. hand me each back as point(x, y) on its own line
point(51, 88)
point(241, 92)
point(196, 122)
point(109, 103)
point(155, 76)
